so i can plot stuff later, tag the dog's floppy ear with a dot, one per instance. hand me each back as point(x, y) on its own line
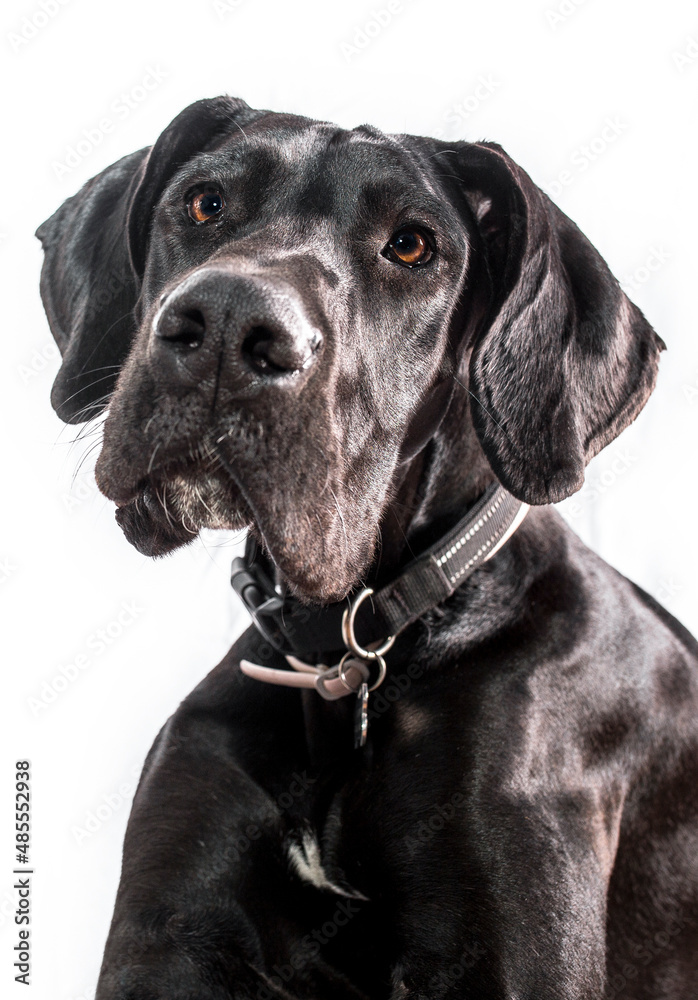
point(564, 361)
point(95, 247)
point(89, 289)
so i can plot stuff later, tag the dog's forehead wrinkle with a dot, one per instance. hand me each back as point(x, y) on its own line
point(317, 170)
point(232, 168)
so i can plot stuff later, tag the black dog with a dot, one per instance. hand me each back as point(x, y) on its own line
point(342, 340)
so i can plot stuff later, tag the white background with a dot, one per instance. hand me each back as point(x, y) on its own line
point(542, 78)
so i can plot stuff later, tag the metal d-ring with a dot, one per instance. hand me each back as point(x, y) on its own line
point(382, 670)
point(349, 636)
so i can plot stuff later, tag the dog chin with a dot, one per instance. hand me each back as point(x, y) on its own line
point(169, 513)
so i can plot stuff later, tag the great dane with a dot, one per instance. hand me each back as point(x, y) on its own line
point(385, 356)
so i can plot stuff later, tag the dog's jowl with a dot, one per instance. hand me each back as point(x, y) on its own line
point(456, 754)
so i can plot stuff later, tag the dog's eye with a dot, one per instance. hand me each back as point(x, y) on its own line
point(409, 246)
point(205, 205)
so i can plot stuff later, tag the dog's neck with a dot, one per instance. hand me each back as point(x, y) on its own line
point(434, 490)
point(445, 495)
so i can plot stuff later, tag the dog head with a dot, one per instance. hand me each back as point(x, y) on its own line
point(280, 314)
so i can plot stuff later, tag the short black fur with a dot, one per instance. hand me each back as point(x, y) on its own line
point(523, 822)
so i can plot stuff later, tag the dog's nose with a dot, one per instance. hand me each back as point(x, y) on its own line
point(258, 327)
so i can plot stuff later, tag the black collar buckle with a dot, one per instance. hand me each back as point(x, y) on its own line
point(256, 590)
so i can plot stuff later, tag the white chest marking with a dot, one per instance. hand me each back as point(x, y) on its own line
point(306, 859)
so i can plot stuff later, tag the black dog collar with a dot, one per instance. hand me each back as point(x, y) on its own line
point(303, 634)
point(294, 629)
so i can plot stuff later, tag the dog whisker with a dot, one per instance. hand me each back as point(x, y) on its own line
point(94, 426)
point(152, 457)
point(322, 533)
point(84, 458)
point(203, 503)
point(480, 403)
point(163, 503)
point(86, 388)
point(107, 331)
point(341, 520)
point(91, 422)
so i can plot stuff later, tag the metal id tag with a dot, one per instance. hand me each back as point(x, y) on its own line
point(361, 716)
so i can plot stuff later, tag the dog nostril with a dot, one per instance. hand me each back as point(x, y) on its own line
point(187, 332)
point(267, 355)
